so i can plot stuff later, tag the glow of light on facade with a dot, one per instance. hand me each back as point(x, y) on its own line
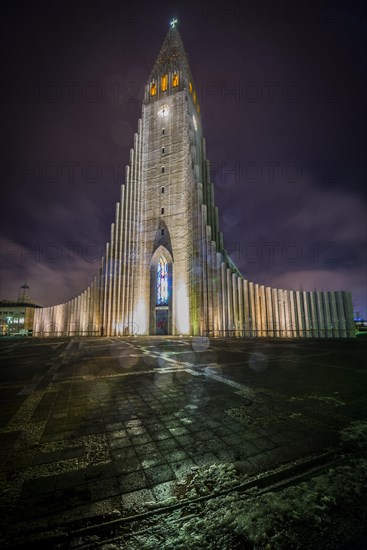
point(163, 111)
point(182, 309)
point(140, 317)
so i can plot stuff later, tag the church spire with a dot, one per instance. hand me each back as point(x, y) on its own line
point(171, 72)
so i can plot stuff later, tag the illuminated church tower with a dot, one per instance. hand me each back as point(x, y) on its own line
point(165, 270)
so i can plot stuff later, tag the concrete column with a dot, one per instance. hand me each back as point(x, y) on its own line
point(251, 292)
point(269, 313)
point(262, 308)
point(114, 329)
point(314, 321)
point(349, 316)
point(307, 310)
point(124, 253)
point(327, 315)
point(282, 316)
point(246, 308)
point(276, 319)
point(321, 316)
point(219, 304)
point(341, 314)
point(210, 281)
point(235, 303)
point(299, 313)
point(293, 314)
point(230, 300)
point(205, 270)
point(224, 297)
point(257, 310)
point(334, 314)
point(213, 263)
point(130, 250)
point(105, 298)
point(241, 316)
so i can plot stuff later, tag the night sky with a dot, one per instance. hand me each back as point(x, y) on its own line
point(287, 145)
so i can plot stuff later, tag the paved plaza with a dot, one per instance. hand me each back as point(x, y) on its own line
point(99, 427)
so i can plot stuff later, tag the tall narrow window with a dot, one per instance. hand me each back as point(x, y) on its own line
point(175, 80)
point(162, 131)
point(164, 83)
point(162, 210)
point(190, 87)
point(194, 96)
point(162, 169)
point(162, 149)
point(162, 232)
point(162, 282)
point(162, 189)
point(153, 89)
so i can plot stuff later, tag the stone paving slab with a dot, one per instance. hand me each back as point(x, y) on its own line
point(118, 422)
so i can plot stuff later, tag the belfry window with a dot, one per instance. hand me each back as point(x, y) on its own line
point(153, 89)
point(162, 282)
point(175, 80)
point(164, 83)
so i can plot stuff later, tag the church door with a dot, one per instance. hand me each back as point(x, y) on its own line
point(161, 277)
point(161, 320)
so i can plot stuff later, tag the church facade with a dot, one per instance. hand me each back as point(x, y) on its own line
point(165, 269)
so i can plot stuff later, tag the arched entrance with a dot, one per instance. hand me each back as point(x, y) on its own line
point(161, 292)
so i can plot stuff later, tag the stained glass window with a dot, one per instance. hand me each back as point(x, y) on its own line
point(162, 282)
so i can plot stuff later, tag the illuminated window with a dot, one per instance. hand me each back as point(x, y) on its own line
point(162, 282)
point(190, 87)
point(164, 83)
point(175, 80)
point(194, 97)
point(153, 89)
point(198, 108)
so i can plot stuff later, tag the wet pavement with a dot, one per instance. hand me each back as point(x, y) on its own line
point(92, 427)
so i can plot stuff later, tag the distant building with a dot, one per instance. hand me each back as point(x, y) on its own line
point(16, 318)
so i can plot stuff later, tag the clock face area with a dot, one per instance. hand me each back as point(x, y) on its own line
point(163, 111)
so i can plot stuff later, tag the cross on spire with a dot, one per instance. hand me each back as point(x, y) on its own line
point(173, 23)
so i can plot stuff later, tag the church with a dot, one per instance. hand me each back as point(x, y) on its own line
point(166, 270)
